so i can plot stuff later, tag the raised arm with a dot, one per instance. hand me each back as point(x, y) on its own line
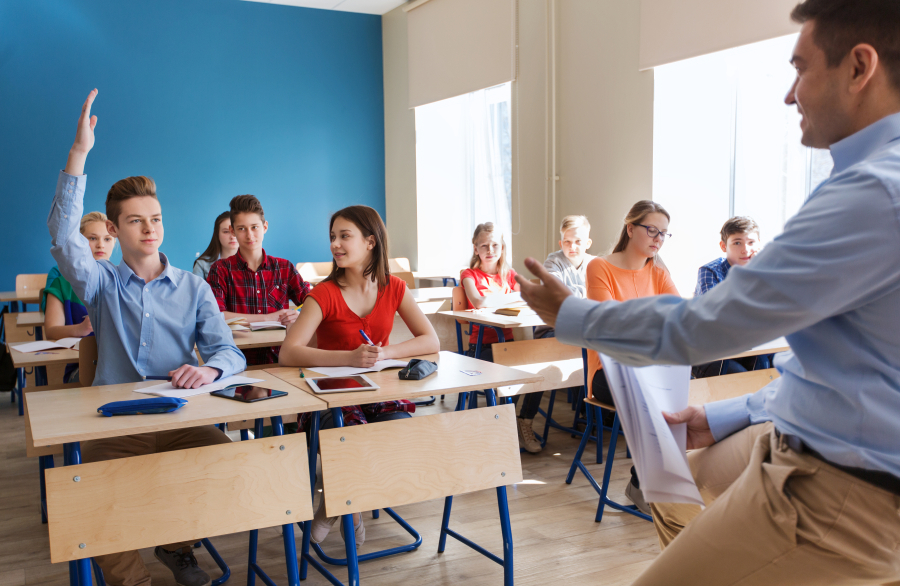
point(71, 251)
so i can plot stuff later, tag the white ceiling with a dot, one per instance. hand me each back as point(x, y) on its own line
point(364, 6)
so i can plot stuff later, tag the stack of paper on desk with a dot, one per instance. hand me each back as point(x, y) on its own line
point(48, 345)
point(266, 325)
point(658, 449)
point(167, 390)
point(351, 370)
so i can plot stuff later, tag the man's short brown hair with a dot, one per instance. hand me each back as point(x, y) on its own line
point(841, 25)
point(246, 204)
point(738, 225)
point(127, 188)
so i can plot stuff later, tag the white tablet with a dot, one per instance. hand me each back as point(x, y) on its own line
point(341, 384)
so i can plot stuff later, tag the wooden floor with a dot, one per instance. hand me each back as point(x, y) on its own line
point(554, 534)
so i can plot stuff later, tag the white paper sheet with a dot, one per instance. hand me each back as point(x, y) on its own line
point(167, 390)
point(266, 325)
point(351, 370)
point(47, 345)
point(658, 449)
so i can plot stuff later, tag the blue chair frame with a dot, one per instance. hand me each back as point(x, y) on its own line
point(594, 419)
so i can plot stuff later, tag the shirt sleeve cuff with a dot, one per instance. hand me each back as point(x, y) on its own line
point(727, 417)
point(570, 320)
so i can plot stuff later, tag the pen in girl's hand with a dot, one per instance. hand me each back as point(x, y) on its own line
point(366, 338)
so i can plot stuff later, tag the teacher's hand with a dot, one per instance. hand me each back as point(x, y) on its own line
point(698, 433)
point(545, 299)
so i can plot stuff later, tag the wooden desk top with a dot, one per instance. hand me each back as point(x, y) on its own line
point(489, 318)
point(434, 276)
point(260, 339)
point(447, 380)
point(29, 319)
point(70, 415)
point(432, 293)
point(31, 297)
point(773, 347)
point(44, 358)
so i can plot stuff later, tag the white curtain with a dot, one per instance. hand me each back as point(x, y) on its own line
point(463, 175)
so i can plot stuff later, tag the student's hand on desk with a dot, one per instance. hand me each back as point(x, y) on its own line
point(84, 328)
point(286, 316)
point(365, 356)
point(84, 137)
point(698, 433)
point(192, 377)
point(545, 299)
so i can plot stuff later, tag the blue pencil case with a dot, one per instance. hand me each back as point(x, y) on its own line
point(142, 406)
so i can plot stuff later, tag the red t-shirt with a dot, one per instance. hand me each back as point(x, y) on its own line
point(487, 284)
point(340, 327)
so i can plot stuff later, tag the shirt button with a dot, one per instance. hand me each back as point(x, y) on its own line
point(257, 290)
point(258, 311)
point(143, 343)
point(71, 182)
point(65, 215)
point(146, 315)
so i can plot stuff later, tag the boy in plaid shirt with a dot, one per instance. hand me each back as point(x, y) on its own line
point(252, 284)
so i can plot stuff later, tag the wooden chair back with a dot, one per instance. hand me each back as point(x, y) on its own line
point(407, 277)
point(459, 302)
point(405, 461)
point(30, 285)
point(400, 264)
point(87, 361)
point(728, 386)
point(115, 506)
point(559, 364)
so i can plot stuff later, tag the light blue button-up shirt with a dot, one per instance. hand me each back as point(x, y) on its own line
point(143, 329)
point(830, 283)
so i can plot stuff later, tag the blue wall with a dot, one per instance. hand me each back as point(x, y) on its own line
point(211, 98)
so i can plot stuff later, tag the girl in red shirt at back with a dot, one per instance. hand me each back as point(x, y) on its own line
point(359, 294)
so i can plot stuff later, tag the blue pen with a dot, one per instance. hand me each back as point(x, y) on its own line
point(366, 338)
point(157, 378)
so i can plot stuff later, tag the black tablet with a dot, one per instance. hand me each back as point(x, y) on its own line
point(248, 393)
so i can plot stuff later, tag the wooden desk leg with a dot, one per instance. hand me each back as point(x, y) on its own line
point(79, 570)
point(287, 531)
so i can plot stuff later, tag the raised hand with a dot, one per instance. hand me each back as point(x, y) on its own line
point(84, 137)
point(544, 299)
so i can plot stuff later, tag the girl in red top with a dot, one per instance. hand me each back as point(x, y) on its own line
point(359, 294)
point(488, 274)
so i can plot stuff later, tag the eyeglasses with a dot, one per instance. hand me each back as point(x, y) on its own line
point(653, 231)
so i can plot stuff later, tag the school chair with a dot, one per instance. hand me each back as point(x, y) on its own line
point(30, 286)
point(314, 271)
point(394, 463)
point(106, 507)
point(407, 277)
point(400, 264)
point(559, 364)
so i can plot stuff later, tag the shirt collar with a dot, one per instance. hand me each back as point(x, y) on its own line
point(861, 145)
point(264, 264)
point(125, 272)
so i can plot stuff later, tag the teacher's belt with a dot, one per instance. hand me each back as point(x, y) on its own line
point(882, 480)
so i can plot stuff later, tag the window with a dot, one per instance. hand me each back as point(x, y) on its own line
point(463, 175)
point(725, 144)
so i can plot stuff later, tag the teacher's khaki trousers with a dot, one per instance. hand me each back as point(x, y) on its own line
point(127, 568)
point(775, 517)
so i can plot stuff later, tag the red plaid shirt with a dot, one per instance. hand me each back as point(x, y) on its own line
point(266, 290)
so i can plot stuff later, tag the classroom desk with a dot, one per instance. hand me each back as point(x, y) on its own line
point(773, 347)
point(29, 319)
point(430, 276)
point(491, 319)
point(432, 294)
point(13, 298)
point(448, 379)
point(24, 360)
point(245, 339)
point(69, 416)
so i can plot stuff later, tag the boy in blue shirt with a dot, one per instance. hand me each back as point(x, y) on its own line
point(740, 243)
point(147, 316)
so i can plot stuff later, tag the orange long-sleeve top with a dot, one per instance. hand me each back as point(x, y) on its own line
point(606, 281)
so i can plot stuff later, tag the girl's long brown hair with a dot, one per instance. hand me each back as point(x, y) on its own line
point(475, 261)
point(370, 224)
point(214, 250)
point(636, 215)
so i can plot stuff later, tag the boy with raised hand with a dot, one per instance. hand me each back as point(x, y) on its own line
point(569, 265)
point(740, 243)
point(252, 284)
point(147, 316)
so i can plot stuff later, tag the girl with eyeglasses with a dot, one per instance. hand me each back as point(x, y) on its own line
point(633, 269)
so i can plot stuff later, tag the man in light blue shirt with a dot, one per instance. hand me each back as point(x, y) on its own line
point(802, 479)
point(147, 316)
